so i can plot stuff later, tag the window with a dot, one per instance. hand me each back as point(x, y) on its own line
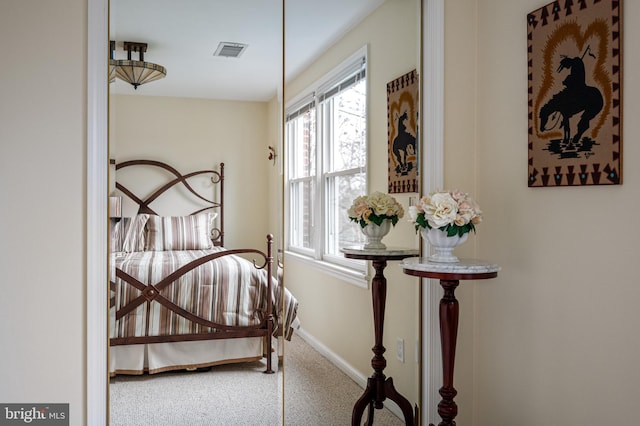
point(326, 136)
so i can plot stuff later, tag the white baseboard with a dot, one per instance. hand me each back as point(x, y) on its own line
point(343, 366)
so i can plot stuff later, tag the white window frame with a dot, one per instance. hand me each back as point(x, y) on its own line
point(349, 270)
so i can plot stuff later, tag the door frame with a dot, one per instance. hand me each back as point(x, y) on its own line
point(97, 381)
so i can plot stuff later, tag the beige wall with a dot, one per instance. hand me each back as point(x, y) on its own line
point(42, 185)
point(333, 311)
point(552, 339)
point(274, 133)
point(194, 134)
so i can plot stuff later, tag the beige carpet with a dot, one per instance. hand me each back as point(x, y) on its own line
point(316, 392)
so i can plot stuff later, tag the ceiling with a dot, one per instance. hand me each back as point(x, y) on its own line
point(183, 35)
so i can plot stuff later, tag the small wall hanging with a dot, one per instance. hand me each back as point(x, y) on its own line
point(575, 93)
point(402, 133)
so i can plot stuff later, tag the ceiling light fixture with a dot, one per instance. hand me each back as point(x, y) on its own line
point(138, 72)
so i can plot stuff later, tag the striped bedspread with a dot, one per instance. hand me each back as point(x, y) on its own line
point(228, 290)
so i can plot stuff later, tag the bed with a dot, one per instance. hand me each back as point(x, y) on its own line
point(179, 299)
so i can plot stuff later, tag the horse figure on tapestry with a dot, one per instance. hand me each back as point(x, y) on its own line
point(404, 144)
point(575, 98)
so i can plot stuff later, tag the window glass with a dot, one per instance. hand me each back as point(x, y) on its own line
point(345, 178)
point(327, 155)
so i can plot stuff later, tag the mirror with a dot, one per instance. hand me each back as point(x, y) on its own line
point(329, 360)
point(155, 121)
point(208, 109)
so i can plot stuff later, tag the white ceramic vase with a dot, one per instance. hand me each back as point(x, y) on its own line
point(375, 233)
point(442, 244)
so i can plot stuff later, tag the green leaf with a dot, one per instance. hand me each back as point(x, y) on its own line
point(422, 222)
point(376, 219)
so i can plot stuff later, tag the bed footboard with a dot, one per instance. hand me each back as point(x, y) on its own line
point(168, 310)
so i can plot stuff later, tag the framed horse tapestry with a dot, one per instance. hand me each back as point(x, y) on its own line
point(575, 93)
point(402, 133)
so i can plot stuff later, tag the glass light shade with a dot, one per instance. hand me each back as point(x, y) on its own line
point(139, 72)
point(112, 70)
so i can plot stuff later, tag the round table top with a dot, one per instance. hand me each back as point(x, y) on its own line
point(390, 253)
point(465, 269)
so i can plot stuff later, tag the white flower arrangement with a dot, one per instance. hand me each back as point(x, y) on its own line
point(455, 212)
point(375, 208)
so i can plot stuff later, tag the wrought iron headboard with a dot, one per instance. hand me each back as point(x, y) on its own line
point(217, 178)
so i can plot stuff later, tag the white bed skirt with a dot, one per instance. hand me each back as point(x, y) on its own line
point(159, 357)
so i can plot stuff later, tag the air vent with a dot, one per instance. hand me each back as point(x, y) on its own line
point(230, 50)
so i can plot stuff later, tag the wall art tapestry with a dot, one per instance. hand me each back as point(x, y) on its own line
point(402, 133)
point(575, 93)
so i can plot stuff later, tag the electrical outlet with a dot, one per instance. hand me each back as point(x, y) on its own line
point(400, 349)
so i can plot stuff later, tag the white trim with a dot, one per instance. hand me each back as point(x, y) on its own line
point(97, 190)
point(432, 178)
point(349, 275)
point(330, 77)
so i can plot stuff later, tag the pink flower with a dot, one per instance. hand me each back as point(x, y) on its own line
point(377, 206)
point(445, 209)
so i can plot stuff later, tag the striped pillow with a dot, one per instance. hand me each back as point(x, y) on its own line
point(179, 232)
point(134, 234)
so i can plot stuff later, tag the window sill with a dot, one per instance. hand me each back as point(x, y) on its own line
point(351, 276)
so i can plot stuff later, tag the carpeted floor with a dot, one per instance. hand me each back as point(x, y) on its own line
point(316, 394)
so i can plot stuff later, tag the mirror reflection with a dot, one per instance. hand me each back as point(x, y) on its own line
point(218, 103)
point(337, 148)
point(212, 109)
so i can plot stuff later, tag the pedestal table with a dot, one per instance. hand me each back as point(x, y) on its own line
point(379, 387)
point(449, 275)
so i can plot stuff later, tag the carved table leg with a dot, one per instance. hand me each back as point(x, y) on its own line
point(378, 389)
point(366, 399)
point(449, 313)
point(401, 401)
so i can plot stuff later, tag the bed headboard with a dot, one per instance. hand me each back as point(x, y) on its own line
point(172, 179)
